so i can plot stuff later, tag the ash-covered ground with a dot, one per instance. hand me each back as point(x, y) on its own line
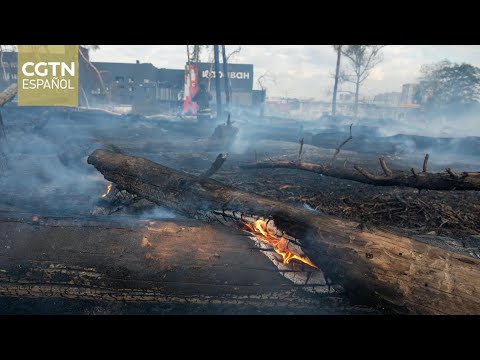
point(47, 172)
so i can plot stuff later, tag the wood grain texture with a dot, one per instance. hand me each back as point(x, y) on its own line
point(173, 266)
point(374, 266)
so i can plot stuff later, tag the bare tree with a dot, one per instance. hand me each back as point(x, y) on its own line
point(262, 80)
point(194, 55)
point(338, 49)
point(363, 58)
point(93, 67)
point(227, 84)
point(234, 53)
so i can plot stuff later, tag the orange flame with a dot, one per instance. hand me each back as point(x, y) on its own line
point(109, 187)
point(280, 244)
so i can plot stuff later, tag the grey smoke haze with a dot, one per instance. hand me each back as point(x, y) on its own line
point(47, 150)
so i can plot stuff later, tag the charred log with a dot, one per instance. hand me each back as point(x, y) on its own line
point(373, 266)
point(156, 267)
point(424, 180)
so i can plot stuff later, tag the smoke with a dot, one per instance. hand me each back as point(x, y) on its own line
point(47, 150)
point(47, 147)
point(158, 214)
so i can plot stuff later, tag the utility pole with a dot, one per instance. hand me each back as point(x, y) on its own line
point(335, 86)
point(225, 76)
point(217, 81)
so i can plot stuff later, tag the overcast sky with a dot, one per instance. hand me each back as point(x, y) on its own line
point(304, 71)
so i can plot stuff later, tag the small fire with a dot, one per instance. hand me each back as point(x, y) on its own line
point(280, 244)
point(109, 187)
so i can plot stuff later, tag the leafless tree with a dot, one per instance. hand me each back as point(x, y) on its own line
point(363, 58)
point(93, 67)
point(266, 77)
point(338, 49)
point(234, 53)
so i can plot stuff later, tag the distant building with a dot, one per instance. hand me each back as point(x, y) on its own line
point(388, 99)
point(409, 92)
point(135, 84)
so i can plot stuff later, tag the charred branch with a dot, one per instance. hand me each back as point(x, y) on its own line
point(384, 166)
point(337, 150)
point(368, 174)
point(217, 164)
point(427, 181)
point(373, 266)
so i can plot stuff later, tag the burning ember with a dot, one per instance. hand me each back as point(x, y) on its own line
point(109, 187)
point(280, 244)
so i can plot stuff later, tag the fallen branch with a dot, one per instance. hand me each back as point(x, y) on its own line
point(373, 266)
point(337, 150)
point(427, 181)
point(217, 164)
point(368, 174)
point(384, 166)
point(8, 94)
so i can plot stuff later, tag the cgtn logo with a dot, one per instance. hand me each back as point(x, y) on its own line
point(48, 75)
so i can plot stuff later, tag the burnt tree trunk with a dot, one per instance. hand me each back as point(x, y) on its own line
point(75, 266)
point(422, 180)
point(335, 86)
point(217, 82)
point(373, 266)
point(226, 78)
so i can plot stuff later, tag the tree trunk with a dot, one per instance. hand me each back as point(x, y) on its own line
point(335, 86)
point(61, 265)
point(8, 94)
point(99, 75)
point(423, 180)
point(373, 266)
point(357, 89)
point(226, 78)
point(217, 81)
point(262, 103)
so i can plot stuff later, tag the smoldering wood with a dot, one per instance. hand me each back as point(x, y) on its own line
point(117, 266)
point(374, 266)
point(426, 181)
point(8, 94)
point(217, 164)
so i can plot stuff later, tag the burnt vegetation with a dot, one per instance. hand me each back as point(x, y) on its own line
point(134, 208)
